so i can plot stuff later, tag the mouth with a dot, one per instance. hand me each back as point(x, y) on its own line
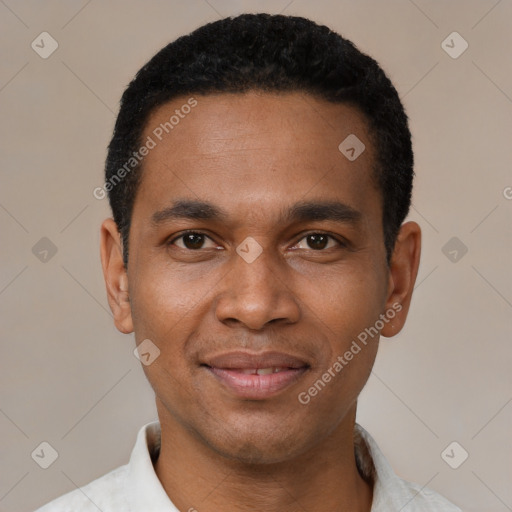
point(256, 376)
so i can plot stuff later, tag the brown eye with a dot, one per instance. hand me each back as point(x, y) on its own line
point(192, 241)
point(317, 242)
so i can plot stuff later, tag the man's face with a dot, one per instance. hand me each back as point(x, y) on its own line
point(268, 166)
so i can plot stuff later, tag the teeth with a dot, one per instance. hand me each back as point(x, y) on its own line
point(262, 371)
point(265, 371)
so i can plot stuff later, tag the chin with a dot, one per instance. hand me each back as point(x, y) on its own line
point(251, 453)
point(262, 447)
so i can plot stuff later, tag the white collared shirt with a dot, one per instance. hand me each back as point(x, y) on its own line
point(135, 487)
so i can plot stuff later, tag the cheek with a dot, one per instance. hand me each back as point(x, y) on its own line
point(164, 311)
point(344, 312)
point(348, 301)
point(162, 301)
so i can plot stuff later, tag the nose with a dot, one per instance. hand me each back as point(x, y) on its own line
point(256, 294)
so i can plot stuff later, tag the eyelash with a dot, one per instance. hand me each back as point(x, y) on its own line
point(340, 243)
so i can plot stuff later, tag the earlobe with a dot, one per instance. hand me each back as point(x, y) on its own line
point(116, 278)
point(402, 277)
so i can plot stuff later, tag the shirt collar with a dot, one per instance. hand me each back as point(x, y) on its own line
point(143, 487)
point(146, 491)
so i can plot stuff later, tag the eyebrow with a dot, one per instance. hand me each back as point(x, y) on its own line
point(299, 212)
point(322, 210)
point(188, 209)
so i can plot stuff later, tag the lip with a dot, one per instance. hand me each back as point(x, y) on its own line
point(231, 370)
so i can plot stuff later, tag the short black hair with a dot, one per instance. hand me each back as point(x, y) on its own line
point(270, 53)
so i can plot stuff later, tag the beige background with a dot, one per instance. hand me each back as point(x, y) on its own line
point(69, 378)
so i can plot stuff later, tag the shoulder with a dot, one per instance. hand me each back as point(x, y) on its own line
point(416, 498)
point(390, 492)
point(105, 493)
point(117, 490)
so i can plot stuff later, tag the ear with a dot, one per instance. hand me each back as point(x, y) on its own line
point(116, 278)
point(403, 270)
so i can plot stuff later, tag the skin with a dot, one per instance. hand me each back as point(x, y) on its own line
point(254, 155)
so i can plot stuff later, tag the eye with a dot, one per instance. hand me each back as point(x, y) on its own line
point(192, 240)
point(317, 242)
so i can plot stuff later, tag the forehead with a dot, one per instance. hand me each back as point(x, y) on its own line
point(266, 149)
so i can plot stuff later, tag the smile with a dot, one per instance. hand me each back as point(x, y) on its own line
point(256, 376)
point(262, 371)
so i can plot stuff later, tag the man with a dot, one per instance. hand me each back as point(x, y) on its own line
point(259, 174)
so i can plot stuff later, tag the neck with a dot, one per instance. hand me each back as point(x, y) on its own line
point(324, 479)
